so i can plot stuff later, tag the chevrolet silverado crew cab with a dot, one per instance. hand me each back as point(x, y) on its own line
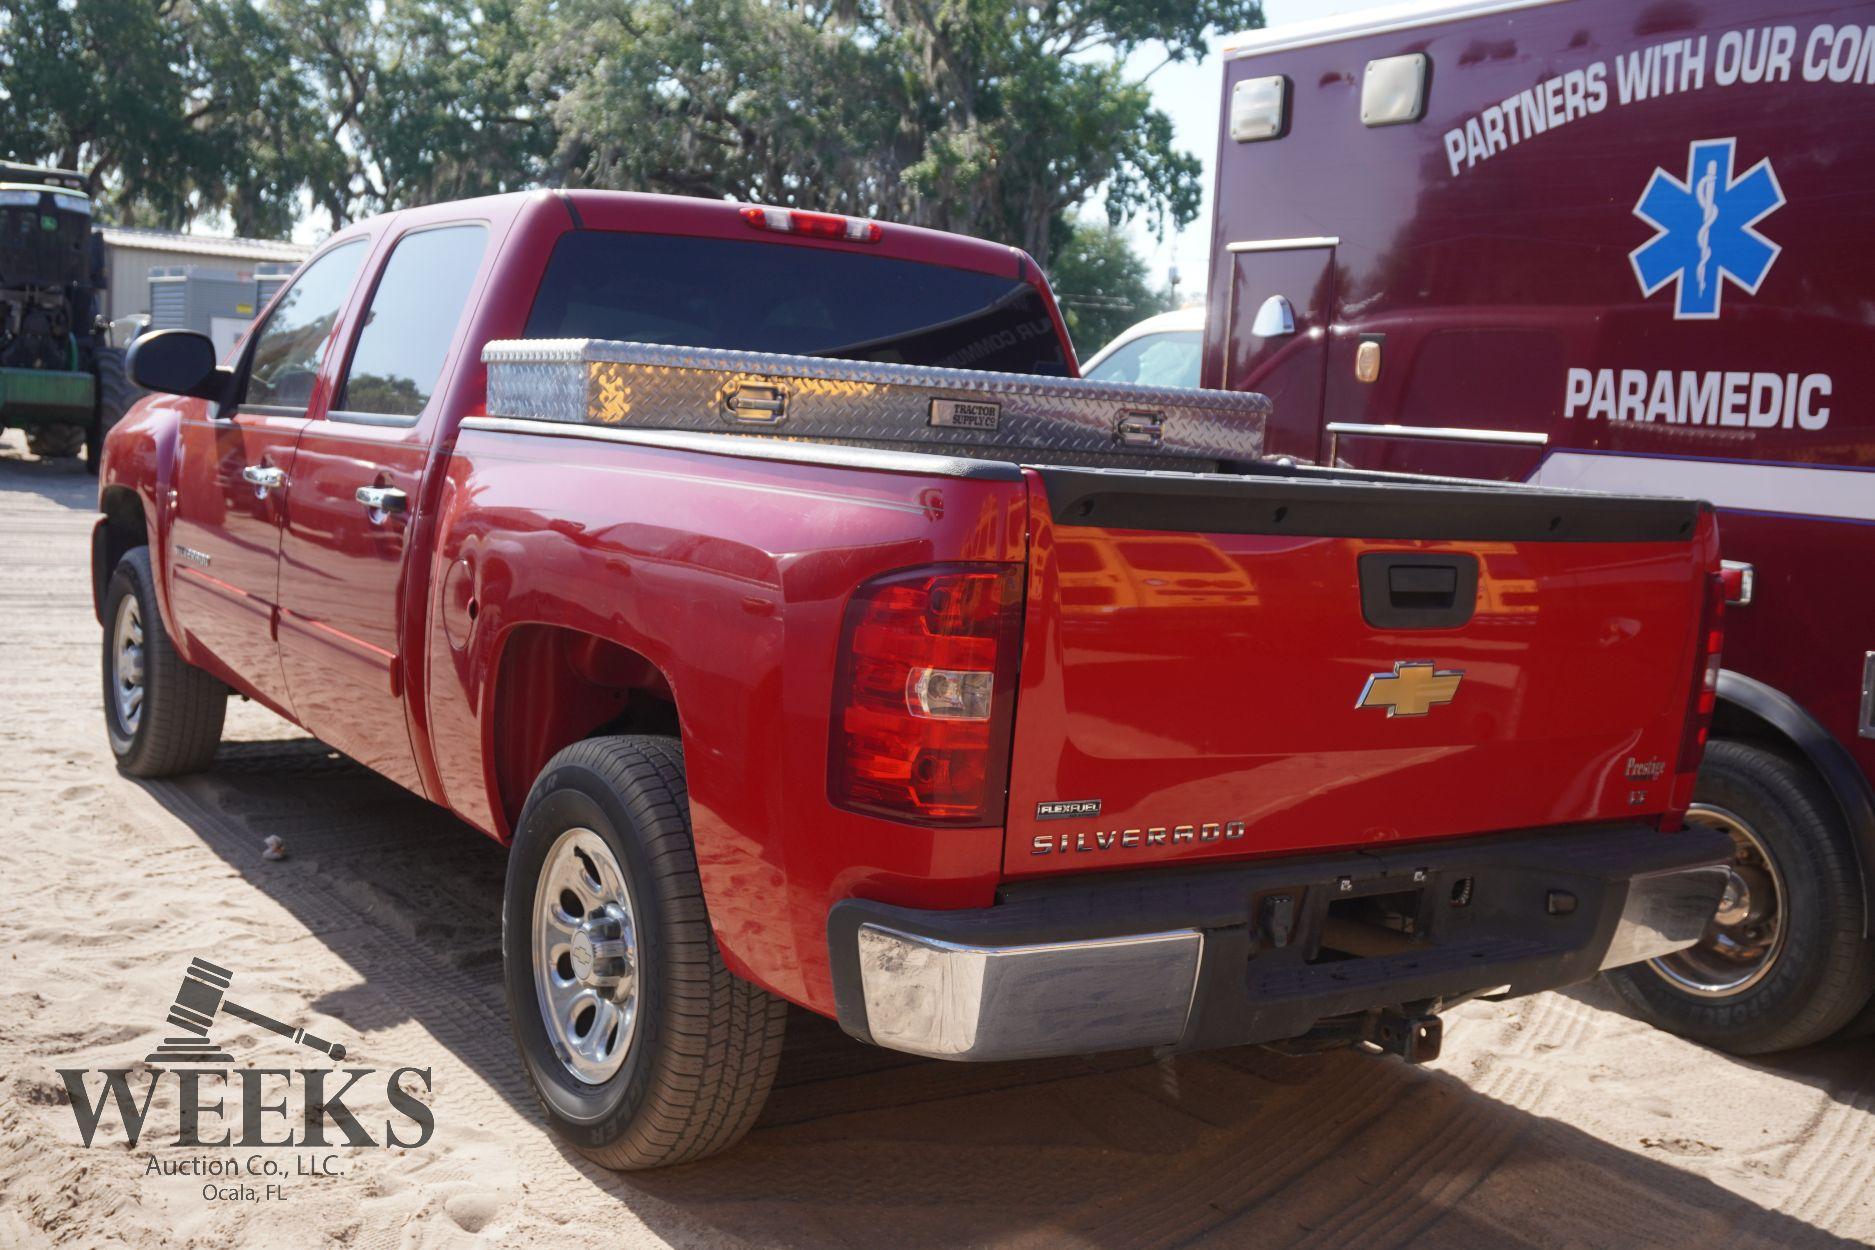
point(768, 583)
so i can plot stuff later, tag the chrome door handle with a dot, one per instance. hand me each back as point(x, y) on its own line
point(263, 479)
point(382, 500)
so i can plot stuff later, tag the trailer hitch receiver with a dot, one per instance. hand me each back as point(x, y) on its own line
point(1414, 1038)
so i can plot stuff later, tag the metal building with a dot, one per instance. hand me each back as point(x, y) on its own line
point(220, 303)
point(132, 254)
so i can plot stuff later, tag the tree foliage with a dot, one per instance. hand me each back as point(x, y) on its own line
point(993, 120)
point(964, 115)
point(1102, 285)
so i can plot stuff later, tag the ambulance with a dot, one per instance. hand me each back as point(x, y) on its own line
point(1626, 247)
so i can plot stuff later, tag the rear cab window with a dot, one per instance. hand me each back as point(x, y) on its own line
point(793, 299)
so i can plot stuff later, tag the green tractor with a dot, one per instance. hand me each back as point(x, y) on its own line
point(61, 381)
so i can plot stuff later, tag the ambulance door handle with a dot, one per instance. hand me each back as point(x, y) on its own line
point(1275, 319)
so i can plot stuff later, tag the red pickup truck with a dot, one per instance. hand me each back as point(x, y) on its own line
point(770, 585)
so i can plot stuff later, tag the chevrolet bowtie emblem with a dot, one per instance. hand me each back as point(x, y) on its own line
point(1410, 689)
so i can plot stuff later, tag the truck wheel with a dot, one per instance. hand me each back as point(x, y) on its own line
point(49, 442)
point(115, 395)
point(641, 1046)
point(163, 714)
point(1784, 963)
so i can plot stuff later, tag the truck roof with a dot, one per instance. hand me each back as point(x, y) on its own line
point(1374, 21)
point(649, 213)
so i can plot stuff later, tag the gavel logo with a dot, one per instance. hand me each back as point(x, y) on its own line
point(203, 994)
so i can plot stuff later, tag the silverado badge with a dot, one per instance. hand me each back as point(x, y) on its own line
point(1411, 688)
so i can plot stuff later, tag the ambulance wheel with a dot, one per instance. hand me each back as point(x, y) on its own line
point(641, 1046)
point(1863, 1025)
point(1784, 963)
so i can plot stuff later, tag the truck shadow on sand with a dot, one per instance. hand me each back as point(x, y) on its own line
point(860, 1146)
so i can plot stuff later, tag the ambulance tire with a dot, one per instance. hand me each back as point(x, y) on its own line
point(1821, 970)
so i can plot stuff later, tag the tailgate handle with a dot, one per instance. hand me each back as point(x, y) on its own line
point(1416, 590)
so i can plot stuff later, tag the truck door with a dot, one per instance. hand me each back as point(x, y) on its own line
point(1279, 307)
point(231, 478)
point(343, 574)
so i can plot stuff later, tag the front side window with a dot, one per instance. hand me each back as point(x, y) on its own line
point(289, 347)
point(412, 321)
point(1168, 359)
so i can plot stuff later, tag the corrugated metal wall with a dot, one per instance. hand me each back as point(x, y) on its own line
point(130, 279)
point(130, 272)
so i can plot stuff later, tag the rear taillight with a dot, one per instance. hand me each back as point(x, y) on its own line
point(816, 225)
point(1705, 693)
point(924, 695)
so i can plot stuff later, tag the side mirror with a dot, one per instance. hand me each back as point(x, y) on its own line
point(177, 362)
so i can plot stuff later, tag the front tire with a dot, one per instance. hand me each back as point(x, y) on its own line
point(162, 714)
point(1793, 967)
point(641, 1046)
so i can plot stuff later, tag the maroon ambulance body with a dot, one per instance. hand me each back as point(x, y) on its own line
point(1622, 247)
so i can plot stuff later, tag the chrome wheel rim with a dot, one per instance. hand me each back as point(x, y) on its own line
point(127, 664)
point(1745, 937)
point(585, 956)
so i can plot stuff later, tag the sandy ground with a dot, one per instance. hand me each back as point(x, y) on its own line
point(1553, 1121)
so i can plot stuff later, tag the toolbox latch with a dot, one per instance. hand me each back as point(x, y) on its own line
point(1140, 429)
point(755, 403)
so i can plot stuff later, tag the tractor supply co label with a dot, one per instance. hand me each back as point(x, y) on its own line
point(965, 414)
point(1768, 54)
point(245, 1134)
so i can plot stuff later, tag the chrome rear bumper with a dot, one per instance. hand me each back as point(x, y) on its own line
point(1260, 951)
point(951, 1001)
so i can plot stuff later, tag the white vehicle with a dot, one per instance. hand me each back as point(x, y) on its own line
point(1165, 350)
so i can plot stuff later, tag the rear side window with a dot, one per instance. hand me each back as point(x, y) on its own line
point(797, 299)
point(413, 318)
point(288, 349)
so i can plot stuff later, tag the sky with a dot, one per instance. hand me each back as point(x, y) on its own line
point(1191, 95)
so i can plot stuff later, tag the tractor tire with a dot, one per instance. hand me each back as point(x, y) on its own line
point(1796, 968)
point(642, 1047)
point(51, 442)
point(115, 395)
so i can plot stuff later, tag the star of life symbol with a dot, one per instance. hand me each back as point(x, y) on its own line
point(1706, 229)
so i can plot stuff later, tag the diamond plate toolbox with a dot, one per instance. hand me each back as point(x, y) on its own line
point(953, 411)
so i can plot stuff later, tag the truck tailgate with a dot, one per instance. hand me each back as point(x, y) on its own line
point(1220, 667)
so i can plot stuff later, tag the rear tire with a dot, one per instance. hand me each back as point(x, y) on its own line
point(1863, 1025)
point(1821, 971)
point(162, 714)
point(50, 442)
point(115, 395)
point(676, 1055)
